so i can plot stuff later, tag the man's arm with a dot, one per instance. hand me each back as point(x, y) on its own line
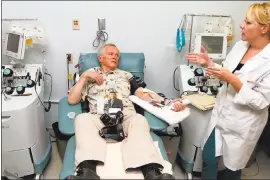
point(147, 96)
point(153, 97)
point(137, 90)
point(75, 93)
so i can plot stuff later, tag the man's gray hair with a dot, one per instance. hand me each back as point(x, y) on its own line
point(101, 49)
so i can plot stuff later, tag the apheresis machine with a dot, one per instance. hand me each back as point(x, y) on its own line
point(201, 90)
point(26, 144)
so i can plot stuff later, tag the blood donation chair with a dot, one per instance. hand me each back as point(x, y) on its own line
point(131, 62)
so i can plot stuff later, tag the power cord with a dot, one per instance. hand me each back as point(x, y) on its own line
point(174, 79)
point(49, 106)
point(101, 36)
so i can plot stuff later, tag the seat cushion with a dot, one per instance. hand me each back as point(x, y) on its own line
point(69, 158)
point(131, 62)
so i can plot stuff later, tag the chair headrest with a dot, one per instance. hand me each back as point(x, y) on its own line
point(131, 62)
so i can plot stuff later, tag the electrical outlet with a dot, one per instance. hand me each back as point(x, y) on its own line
point(69, 58)
point(76, 24)
point(101, 24)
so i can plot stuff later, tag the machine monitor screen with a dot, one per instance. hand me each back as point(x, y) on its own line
point(13, 42)
point(213, 44)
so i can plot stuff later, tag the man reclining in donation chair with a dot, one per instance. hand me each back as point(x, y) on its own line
point(107, 89)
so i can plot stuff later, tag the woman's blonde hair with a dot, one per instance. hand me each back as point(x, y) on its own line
point(260, 13)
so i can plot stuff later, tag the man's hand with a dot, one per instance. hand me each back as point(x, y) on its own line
point(178, 105)
point(98, 78)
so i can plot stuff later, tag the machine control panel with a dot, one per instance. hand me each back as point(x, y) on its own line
point(193, 78)
point(15, 81)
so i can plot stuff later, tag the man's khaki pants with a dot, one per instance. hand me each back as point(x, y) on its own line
point(137, 148)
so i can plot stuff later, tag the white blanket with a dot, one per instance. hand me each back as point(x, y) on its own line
point(164, 113)
point(113, 167)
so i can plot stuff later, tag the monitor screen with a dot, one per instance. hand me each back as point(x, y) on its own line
point(13, 42)
point(213, 44)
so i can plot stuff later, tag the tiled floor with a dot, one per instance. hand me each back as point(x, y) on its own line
point(254, 172)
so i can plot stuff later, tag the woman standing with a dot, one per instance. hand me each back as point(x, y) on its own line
point(241, 109)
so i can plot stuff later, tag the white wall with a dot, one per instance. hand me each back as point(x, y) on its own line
point(148, 27)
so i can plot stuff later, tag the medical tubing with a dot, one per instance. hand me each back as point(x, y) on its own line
point(182, 21)
point(49, 106)
point(174, 79)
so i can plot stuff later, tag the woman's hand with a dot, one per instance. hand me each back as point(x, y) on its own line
point(220, 73)
point(200, 58)
point(225, 75)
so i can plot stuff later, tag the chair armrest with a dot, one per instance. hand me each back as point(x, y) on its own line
point(154, 122)
point(66, 125)
point(69, 159)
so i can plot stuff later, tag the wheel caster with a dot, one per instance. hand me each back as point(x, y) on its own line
point(188, 176)
point(39, 176)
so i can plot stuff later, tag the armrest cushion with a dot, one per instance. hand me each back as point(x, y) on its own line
point(154, 122)
point(69, 159)
point(66, 125)
point(163, 113)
